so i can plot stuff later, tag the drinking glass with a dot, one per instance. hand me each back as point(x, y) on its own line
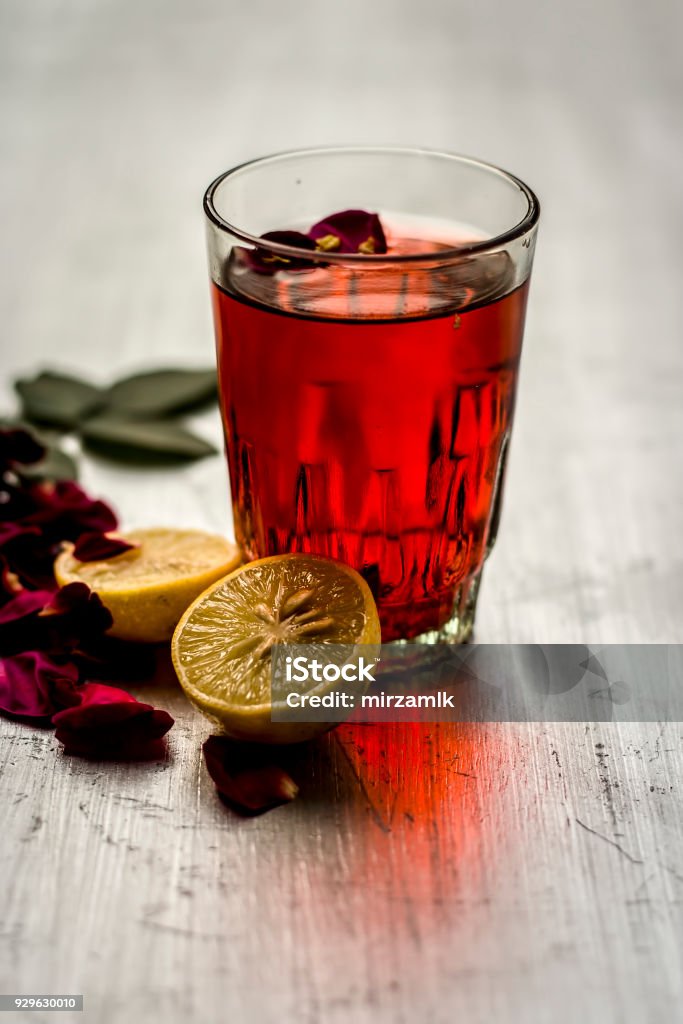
point(368, 397)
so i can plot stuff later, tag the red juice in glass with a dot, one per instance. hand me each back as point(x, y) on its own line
point(368, 420)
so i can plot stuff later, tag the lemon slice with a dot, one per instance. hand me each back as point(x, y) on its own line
point(221, 647)
point(148, 588)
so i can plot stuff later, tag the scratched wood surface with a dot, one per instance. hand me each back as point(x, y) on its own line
point(528, 872)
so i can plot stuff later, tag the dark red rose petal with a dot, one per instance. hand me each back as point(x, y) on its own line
point(356, 230)
point(10, 584)
point(33, 686)
point(20, 626)
point(29, 556)
point(36, 518)
point(10, 532)
point(19, 447)
point(46, 620)
point(96, 547)
point(77, 612)
point(68, 511)
point(16, 502)
point(246, 776)
point(110, 722)
point(25, 602)
point(265, 262)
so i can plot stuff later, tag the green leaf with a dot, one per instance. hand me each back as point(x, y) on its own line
point(162, 392)
point(57, 465)
point(143, 441)
point(57, 399)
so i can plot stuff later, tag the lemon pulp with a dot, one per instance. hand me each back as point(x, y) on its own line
point(148, 588)
point(221, 647)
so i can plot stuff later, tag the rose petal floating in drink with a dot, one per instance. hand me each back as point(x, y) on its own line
point(354, 231)
point(264, 261)
point(349, 231)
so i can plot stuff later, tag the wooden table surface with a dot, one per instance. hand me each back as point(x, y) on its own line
point(528, 872)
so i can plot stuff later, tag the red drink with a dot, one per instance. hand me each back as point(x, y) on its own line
point(375, 433)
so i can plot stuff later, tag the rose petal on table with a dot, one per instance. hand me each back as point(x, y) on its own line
point(19, 447)
point(29, 554)
point(65, 511)
point(355, 230)
point(33, 686)
point(56, 621)
point(20, 629)
point(110, 722)
point(76, 612)
point(246, 776)
point(36, 517)
point(24, 602)
point(15, 530)
point(97, 547)
point(10, 584)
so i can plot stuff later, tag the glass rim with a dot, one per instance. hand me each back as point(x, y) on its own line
point(528, 221)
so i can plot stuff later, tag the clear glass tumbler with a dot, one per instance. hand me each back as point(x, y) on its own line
point(368, 391)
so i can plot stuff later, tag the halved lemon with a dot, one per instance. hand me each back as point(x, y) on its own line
point(222, 645)
point(148, 588)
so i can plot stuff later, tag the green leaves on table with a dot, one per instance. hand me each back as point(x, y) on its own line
point(132, 420)
point(162, 392)
point(57, 465)
point(57, 399)
point(143, 440)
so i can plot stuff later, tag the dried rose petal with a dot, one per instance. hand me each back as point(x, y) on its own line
point(23, 603)
point(10, 584)
point(97, 547)
point(350, 231)
point(265, 262)
point(42, 620)
point(110, 722)
point(77, 612)
point(18, 447)
point(67, 510)
point(21, 628)
point(33, 686)
point(16, 502)
point(36, 518)
point(246, 777)
point(48, 636)
point(27, 554)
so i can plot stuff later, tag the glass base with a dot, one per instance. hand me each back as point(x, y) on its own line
point(460, 626)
